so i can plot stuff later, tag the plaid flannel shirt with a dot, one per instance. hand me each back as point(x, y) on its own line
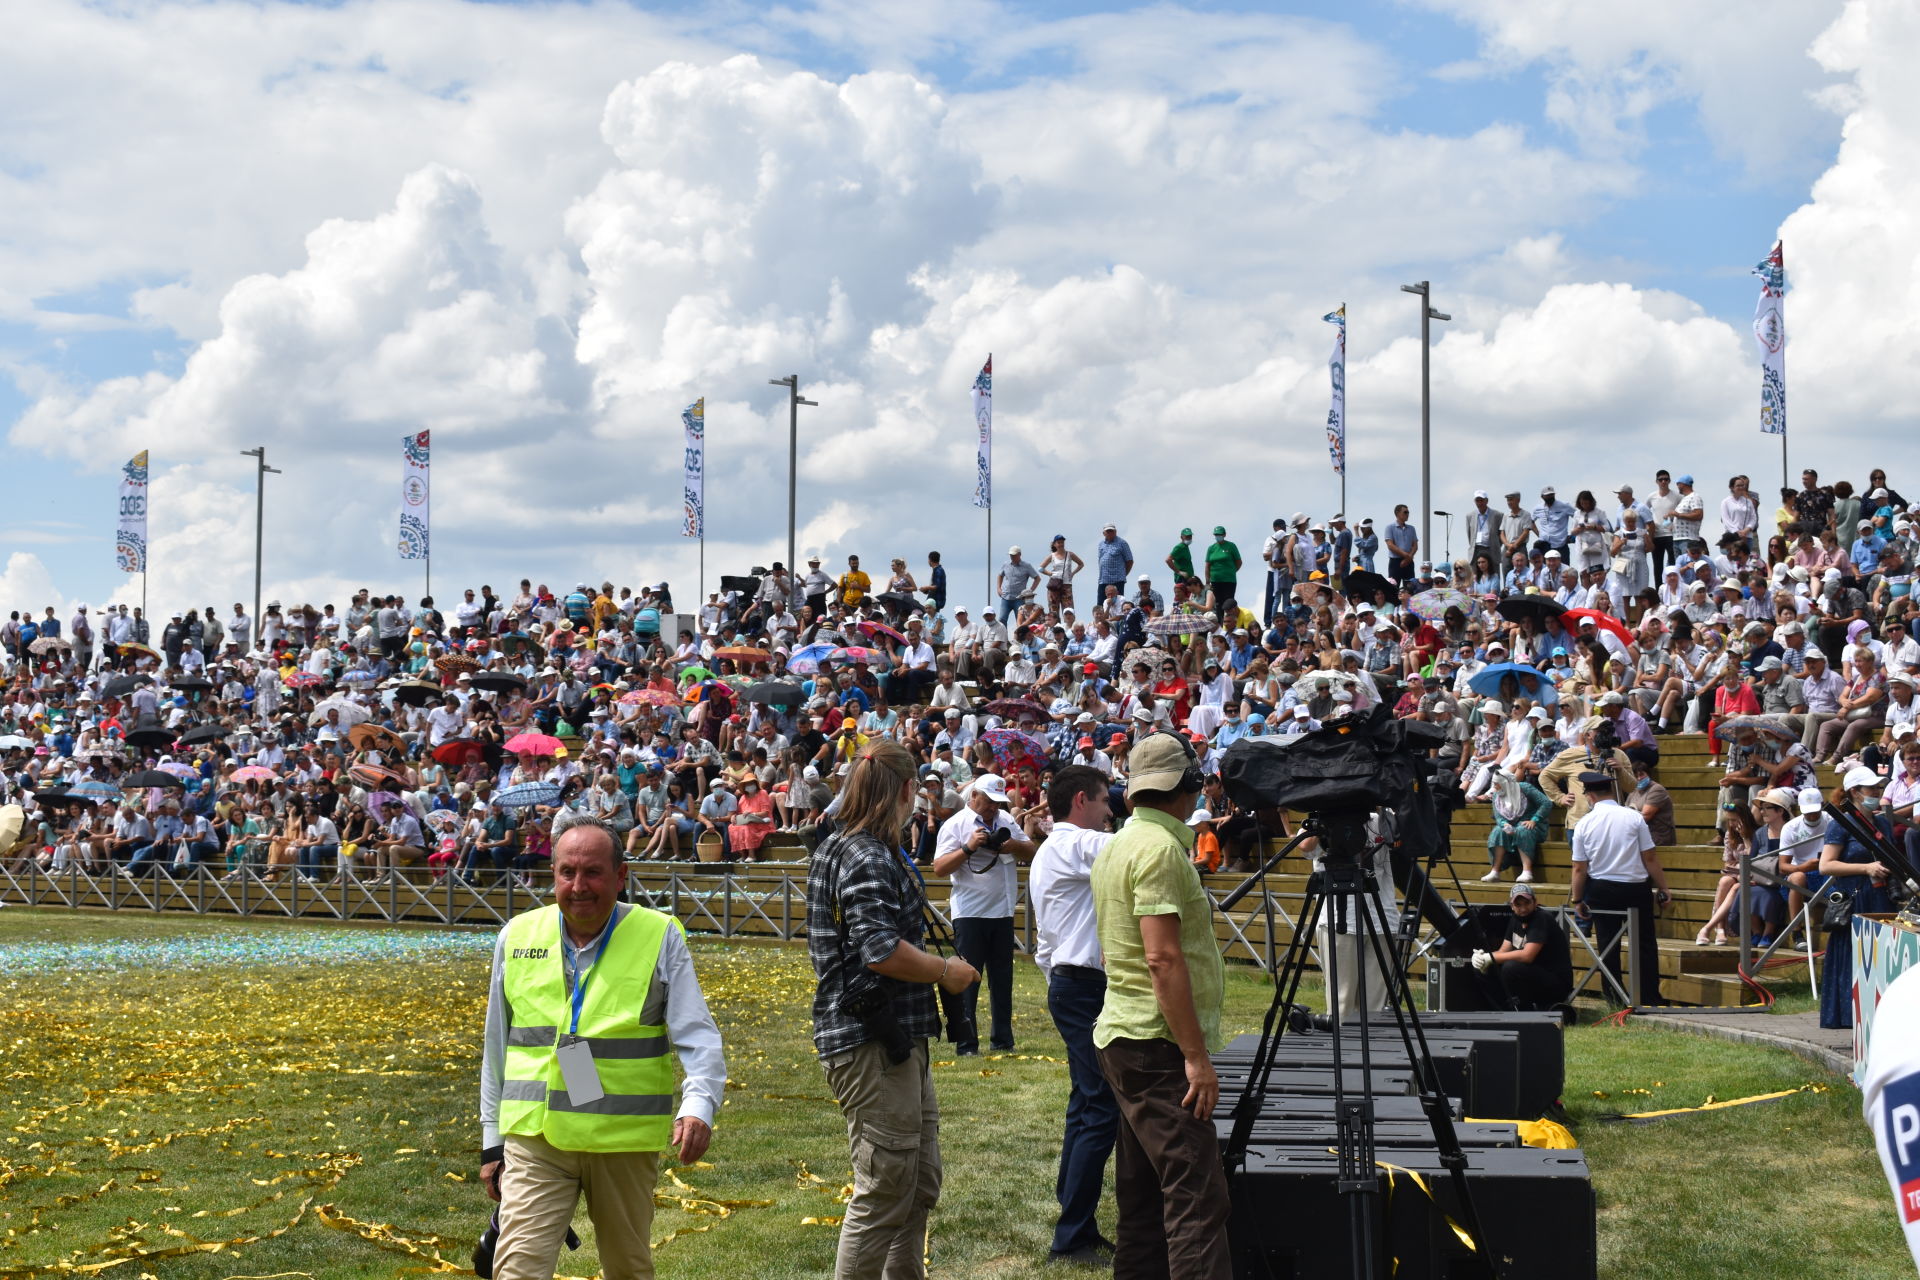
point(862, 901)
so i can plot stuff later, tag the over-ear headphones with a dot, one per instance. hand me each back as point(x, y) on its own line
point(1191, 779)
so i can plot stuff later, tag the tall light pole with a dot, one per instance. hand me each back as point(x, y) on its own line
point(1427, 316)
point(792, 383)
point(259, 522)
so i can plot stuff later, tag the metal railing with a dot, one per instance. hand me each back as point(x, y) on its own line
point(725, 900)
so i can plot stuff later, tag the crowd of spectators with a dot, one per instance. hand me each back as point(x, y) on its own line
point(374, 737)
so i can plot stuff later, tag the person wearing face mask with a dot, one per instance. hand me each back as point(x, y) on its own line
point(752, 821)
point(1854, 869)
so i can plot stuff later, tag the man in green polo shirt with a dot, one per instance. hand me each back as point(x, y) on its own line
point(1223, 576)
point(1160, 1020)
point(1180, 559)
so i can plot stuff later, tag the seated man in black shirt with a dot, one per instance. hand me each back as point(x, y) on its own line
point(1532, 965)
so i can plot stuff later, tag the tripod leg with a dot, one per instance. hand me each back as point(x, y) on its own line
point(1285, 987)
point(1433, 1097)
point(1359, 1175)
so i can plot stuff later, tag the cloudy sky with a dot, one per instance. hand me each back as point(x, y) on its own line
point(539, 230)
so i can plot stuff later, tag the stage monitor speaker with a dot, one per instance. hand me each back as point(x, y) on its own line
point(1290, 1221)
point(1540, 1071)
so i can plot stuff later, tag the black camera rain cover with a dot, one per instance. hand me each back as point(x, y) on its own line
point(1338, 767)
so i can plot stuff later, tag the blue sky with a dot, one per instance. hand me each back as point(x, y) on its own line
point(1687, 210)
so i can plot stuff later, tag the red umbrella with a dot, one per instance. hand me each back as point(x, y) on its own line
point(533, 744)
point(1573, 617)
point(647, 698)
point(1013, 749)
point(873, 627)
point(459, 752)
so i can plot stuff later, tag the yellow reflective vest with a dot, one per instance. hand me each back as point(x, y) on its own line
point(622, 1017)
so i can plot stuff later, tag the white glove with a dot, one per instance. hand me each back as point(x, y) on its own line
point(1483, 960)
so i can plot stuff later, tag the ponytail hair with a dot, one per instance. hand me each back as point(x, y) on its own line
point(878, 798)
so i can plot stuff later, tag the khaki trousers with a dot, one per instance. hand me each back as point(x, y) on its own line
point(539, 1189)
point(893, 1127)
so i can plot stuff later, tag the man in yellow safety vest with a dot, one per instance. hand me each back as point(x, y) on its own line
point(590, 998)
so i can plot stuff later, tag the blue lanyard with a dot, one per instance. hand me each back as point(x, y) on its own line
point(580, 981)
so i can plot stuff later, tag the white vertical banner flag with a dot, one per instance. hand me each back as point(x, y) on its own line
point(1770, 331)
point(415, 520)
point(983, 418)
point(130, 543)
point(694, 473)
point(1337, 413)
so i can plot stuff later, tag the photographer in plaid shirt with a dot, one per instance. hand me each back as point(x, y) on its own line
point(874, 1012)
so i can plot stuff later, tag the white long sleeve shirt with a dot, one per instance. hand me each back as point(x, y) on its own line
point(690, 1030)
point(1062, 893)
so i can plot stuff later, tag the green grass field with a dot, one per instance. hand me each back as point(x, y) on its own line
point(177, 1084)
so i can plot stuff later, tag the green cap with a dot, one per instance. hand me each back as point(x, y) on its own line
point(1219, 531)
point(1186, 533)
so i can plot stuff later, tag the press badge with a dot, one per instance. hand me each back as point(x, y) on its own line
point(582, 1078)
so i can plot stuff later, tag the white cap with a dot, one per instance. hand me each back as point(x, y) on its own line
point(1013, 551)
point(1479, 493)
point(1538, 713)
point(1199, 816)
point(1301, 713)
point(1811, 801)
point(1861, 776)
point(992, 786)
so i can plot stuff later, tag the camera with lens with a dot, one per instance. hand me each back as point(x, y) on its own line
point(996, 838)
point(873, 1009)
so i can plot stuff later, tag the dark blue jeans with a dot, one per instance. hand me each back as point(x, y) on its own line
point(987, 944)
point(1074, 997)
point(315, 858)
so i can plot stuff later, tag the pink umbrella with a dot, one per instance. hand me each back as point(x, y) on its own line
point(254, 773)
point(860, 656)
point(534, 744)
point(872, 628)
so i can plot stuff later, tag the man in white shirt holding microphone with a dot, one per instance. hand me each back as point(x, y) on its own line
point(1067, 949)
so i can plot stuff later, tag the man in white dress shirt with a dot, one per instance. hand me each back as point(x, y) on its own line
point(1067, 949)
point(1616, 868)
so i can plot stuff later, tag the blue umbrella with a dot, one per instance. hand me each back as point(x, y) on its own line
point(1533, 683)
point(94, 790)
point(806, 660)
point(522, 795)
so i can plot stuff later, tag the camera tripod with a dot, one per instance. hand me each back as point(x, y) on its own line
point(1347, 881)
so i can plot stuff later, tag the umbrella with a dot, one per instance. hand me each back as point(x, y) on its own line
point(1181, 624)
point(522, 794)
point(301, 680)
point(742, 653)
point(58, 795)
point(444, 821)
point(191, 684)
point(695, 672)
point(458, 752)
point(1013, 749)
point(375, 778)
point(1542, 609)
point(806, 660)
point(1015, 709)
point(1148, 654)
point(203, 733)
point(373, 737)
point(1365, 587)
point(873, 627)
point(774, 693)
point(898, 599)
point(149, 734)
point(14, 742)
point(351, 713)
point(1758, 724)
point(455, 663)
point(533, 744)
point(121, 686)
point(185, 772)
point(12, 819)
point(418, 693)
point(92, 789)
point(1574, 617)
point(649, 698)
point(47, 644)
point(860, 656)
point(498, 682)
point(698, 692)
point(1533, 683)
point(361, 676)
point(254, 773)
point(150, 778)
point(1433, 605)
point(132, 649)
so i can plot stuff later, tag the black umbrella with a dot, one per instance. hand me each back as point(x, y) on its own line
point(58, 796)
point(203, 733)
point(149, 735)
point(1363, 587)
point(121, 686)
point(497, 681)
point(1520, 608)
point(772, 692)
point(418, 693)
point(195, 683)
point(150, 778)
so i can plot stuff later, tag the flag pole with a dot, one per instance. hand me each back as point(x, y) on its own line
point(1783, 358)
